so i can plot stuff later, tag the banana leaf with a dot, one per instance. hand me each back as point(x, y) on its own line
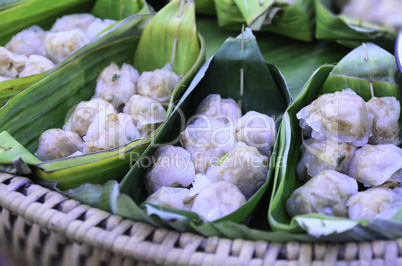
point(349, 31)
point(47, 101)
point(364, 65)
point(206, 7)
point(264, 91)
point(44, 13)
point(5, 4)
point(292, 20)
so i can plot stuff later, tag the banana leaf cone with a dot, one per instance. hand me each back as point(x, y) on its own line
point(367, 68)
point(264, 90)
point(44, 104)
point(295, 20)
point(44, 13)
point(331, 25)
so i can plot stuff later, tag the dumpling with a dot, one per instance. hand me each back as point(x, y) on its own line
point(11, 65)
point(224, 110)
point(340, 117)
point(109, 130)
point(325, 193)
point(257, 130)
point(74, 21)
point(244, 167)
point(218, 200)
point(59, 45)
point(56, 143)
point(84, 114)
point(172, 168)
point(158, 84)
point(373, 165)
point(319, 155)
point(28, 42)
point(97, 26)
point(146, 113)
point(386, 111)
point(115, 85)
point(36, 64)
point(207, 140)
point(377, 202)
point(172, 197)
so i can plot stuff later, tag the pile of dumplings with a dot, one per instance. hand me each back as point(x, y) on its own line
point(351, 163)
point(33, 50)
point(126, 106)
point(221, 163)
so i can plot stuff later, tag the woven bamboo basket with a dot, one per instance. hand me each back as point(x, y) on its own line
point(42, 227)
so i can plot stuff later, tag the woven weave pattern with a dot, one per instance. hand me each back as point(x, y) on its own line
point(40, 227)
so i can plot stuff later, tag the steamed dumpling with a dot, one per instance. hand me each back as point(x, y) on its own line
point(326, 193)
point(158, 84)
point(11, 65)
point(172, 197)
point(257, 130)
point(146, 113)
point(84, 114)
point(172, 168)
point(244, 167)
point(97, 26)
point(28, 42)
point(386, 111)
point(74, 21)
point(224, 110)
point(115, 85)
point(59, 45)
point(207, 140)
point(56, 143)
point(109, 130)
point(319, 155)
point(373, 165)
point(340, 117)
point(36, 64)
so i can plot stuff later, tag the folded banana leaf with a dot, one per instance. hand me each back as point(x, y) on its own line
point(294, 20)
point(264, 90)
point(206, 7)
point(15, 19)
point(365, 65)
point(45, 103)
point(349, 31)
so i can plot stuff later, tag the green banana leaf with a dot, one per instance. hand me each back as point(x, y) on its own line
point(364, 65)
point(348, 31)
point(44, 13)
point(206, 7)
point(5, 4)
point(292, 20)
point(47, 101)
point(264, 91)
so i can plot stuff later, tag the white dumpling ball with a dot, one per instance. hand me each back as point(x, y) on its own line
point(319, 155)
point(109, 130)
point(171, 197)
point(340, 117)
point(386, 111)
point(325, 193)
point(59, 45)
point(4, 78)
point(199, 183)
point(56, 143)
point(158, 84)
point(373, 165)
point(97, 26)
point(245, 167)
point(115, 85)
point(172, 168)
point(257, 130)
point(36, 64)
point(217, 200)
point(377, 202)
point(28, 42)
point(146, 113)
point(207, 140)
point(84, 114)
point(224, 110)
point(11, 64)
point(73, 21)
